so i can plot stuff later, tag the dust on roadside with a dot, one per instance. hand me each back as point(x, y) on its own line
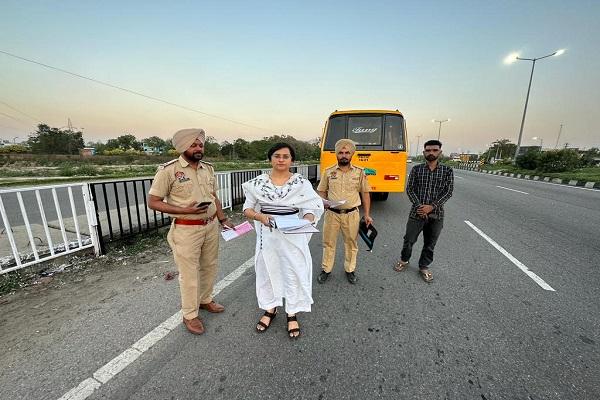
point(42, 301)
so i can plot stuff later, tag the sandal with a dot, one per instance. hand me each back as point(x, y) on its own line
point(426, 275)
point(291, 332)
point(271, 317)
point(400, 266)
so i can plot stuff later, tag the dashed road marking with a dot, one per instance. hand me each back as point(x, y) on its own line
point(512, 190)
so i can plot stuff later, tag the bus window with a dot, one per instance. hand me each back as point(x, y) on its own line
point(394, 133)
point(336, 130)
point(365, 131)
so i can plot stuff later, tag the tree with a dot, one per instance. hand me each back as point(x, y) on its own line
point(559, 160)
point(47, 140)
point(211, 147)
point(124, 142)
point(529, 160)
point(590, 157)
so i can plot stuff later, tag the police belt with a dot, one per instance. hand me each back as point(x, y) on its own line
point(335, 210)
point(207, 221)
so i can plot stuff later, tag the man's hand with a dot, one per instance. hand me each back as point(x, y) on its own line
point(194, 209)
point(424, 210)
point(368, 220)
point(227, 223)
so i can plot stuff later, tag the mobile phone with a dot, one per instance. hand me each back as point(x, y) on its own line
point(204, 204)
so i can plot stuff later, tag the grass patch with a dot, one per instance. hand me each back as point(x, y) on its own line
point(590, 174)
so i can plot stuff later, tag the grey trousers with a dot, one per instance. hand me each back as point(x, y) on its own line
point(431, 229)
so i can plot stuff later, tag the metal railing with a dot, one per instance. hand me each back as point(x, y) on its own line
point(42, 223)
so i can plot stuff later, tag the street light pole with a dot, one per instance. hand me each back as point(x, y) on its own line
point(512, 58)
point(440, 126)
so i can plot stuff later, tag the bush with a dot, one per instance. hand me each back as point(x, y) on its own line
point(83, 170)
point(530, 160)
point(559, 160)
point(13, 148)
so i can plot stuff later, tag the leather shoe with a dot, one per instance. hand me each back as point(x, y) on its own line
point(351, 277)
point(212, 307)
point(194, 325)
point(323, 277)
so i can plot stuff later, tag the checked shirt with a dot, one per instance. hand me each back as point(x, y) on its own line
point(430, 187)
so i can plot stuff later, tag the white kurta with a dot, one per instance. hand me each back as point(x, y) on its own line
point(283, 263)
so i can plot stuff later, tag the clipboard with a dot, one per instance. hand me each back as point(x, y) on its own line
point(367, 233)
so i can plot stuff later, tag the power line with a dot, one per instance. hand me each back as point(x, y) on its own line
point(14, 118)
point(136, 93)
point(20, 112)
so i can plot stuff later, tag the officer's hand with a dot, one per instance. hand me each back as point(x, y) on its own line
point(368, 220)
point(194, 209)
point(228, 223)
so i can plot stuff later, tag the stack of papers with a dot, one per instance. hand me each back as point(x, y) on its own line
point(289, 224)
point(239, 230)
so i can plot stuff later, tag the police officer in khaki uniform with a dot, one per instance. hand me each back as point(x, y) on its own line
point(189, 186)
point(347, 182)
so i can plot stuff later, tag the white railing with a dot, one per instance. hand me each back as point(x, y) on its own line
point(42, 223)
point(224, 192)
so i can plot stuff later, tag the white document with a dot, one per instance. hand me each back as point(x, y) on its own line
point(293, 224)
point(333, 203)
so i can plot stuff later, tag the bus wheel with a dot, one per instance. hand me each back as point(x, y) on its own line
point(380, 196)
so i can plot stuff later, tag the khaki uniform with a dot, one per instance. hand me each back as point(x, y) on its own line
point(195, 247)
point(341, 185)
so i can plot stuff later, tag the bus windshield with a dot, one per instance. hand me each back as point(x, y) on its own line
point(368, 131)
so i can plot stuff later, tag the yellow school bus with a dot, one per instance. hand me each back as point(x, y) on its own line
point(381, 146)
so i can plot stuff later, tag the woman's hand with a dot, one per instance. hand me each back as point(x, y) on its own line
point(309, 217)
point(263, 219)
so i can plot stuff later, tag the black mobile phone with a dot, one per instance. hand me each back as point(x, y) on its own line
point(204, 204)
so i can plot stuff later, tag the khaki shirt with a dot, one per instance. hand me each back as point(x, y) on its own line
point(341, 185)
point(180, 184)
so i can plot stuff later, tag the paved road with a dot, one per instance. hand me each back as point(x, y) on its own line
point(484, 329)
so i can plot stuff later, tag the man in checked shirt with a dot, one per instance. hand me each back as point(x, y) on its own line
point(429, 186)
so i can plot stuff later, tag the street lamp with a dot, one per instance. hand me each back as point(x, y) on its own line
point(440, 127)
point(541, 141)
point(511, 58)
point(15, 139)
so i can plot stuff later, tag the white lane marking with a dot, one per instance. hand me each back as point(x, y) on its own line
point(538, 181)
point(512, 190)
point(518, 263)
point(120, 362)
point(459, 177)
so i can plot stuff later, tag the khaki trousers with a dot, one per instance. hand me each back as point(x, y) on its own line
point(348, 224)
point(196, 251)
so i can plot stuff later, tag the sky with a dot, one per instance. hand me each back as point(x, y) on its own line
point(255, 69)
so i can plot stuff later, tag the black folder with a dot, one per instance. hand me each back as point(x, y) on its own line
point(367, 233)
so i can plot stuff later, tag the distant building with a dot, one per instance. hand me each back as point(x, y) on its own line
point(151, 150)
point(87, 151)
point(465, 157)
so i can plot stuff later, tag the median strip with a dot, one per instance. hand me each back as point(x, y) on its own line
point(518, 263)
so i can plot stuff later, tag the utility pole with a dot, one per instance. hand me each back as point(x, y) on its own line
point(558, 138)
point(417, 148)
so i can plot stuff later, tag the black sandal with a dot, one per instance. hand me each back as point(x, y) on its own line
point(271, 317)
point(293, 330)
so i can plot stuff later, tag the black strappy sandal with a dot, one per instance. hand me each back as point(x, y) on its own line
point(293, 330)
point(271, 317)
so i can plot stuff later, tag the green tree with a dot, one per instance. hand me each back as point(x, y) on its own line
point(124, 142)
point(241, 148)
point(48, 140)
point(529, 160)
point(590, 157)
point(211, 147)
point(559, 160)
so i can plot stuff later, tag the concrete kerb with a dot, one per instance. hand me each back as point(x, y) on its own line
point(588, 185)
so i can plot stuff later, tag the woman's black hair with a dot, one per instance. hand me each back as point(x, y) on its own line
point(279, 146)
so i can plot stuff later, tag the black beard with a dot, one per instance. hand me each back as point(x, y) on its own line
point(430, 157)
point(198, 155)
point(343, 161)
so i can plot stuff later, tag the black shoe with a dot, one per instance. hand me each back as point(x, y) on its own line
point(323, 277)
point(351, 277)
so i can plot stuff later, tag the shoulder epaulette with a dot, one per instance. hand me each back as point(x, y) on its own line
point(162, 166)
point(331, 166)
point(206, 162)
point(358, 166)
